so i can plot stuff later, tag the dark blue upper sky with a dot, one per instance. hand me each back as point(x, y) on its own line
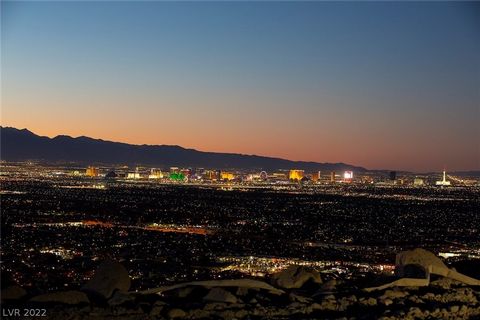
point(378, 84)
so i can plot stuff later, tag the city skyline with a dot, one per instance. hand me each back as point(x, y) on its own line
point(382, 86)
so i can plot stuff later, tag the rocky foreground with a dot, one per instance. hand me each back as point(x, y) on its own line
point(296, 292)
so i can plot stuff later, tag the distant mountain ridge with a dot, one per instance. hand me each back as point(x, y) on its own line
point(24, 145)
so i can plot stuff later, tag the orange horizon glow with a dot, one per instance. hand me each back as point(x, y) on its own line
point(351, 155)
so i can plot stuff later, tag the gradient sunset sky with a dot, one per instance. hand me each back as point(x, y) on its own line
point(379, 84)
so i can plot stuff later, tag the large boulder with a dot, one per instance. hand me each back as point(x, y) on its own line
point(422, 258)
point(62, 297)
point(414, 268)
point(109, 277)
point(295, 277)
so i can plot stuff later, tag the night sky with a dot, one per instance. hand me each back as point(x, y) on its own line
point(382, 85)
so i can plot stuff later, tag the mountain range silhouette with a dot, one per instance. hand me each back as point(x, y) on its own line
point(24, 145)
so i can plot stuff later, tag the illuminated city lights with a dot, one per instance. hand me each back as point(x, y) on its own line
point(226, 176)
point(172, 219)
point(90, 172)
point(296, 175)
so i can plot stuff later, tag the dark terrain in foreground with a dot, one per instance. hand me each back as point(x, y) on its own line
point(294, 293)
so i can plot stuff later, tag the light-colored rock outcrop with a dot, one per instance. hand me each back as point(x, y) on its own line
point(295, 277)
point(427, 261)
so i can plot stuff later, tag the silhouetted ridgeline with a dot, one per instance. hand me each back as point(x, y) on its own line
point(23, 145)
